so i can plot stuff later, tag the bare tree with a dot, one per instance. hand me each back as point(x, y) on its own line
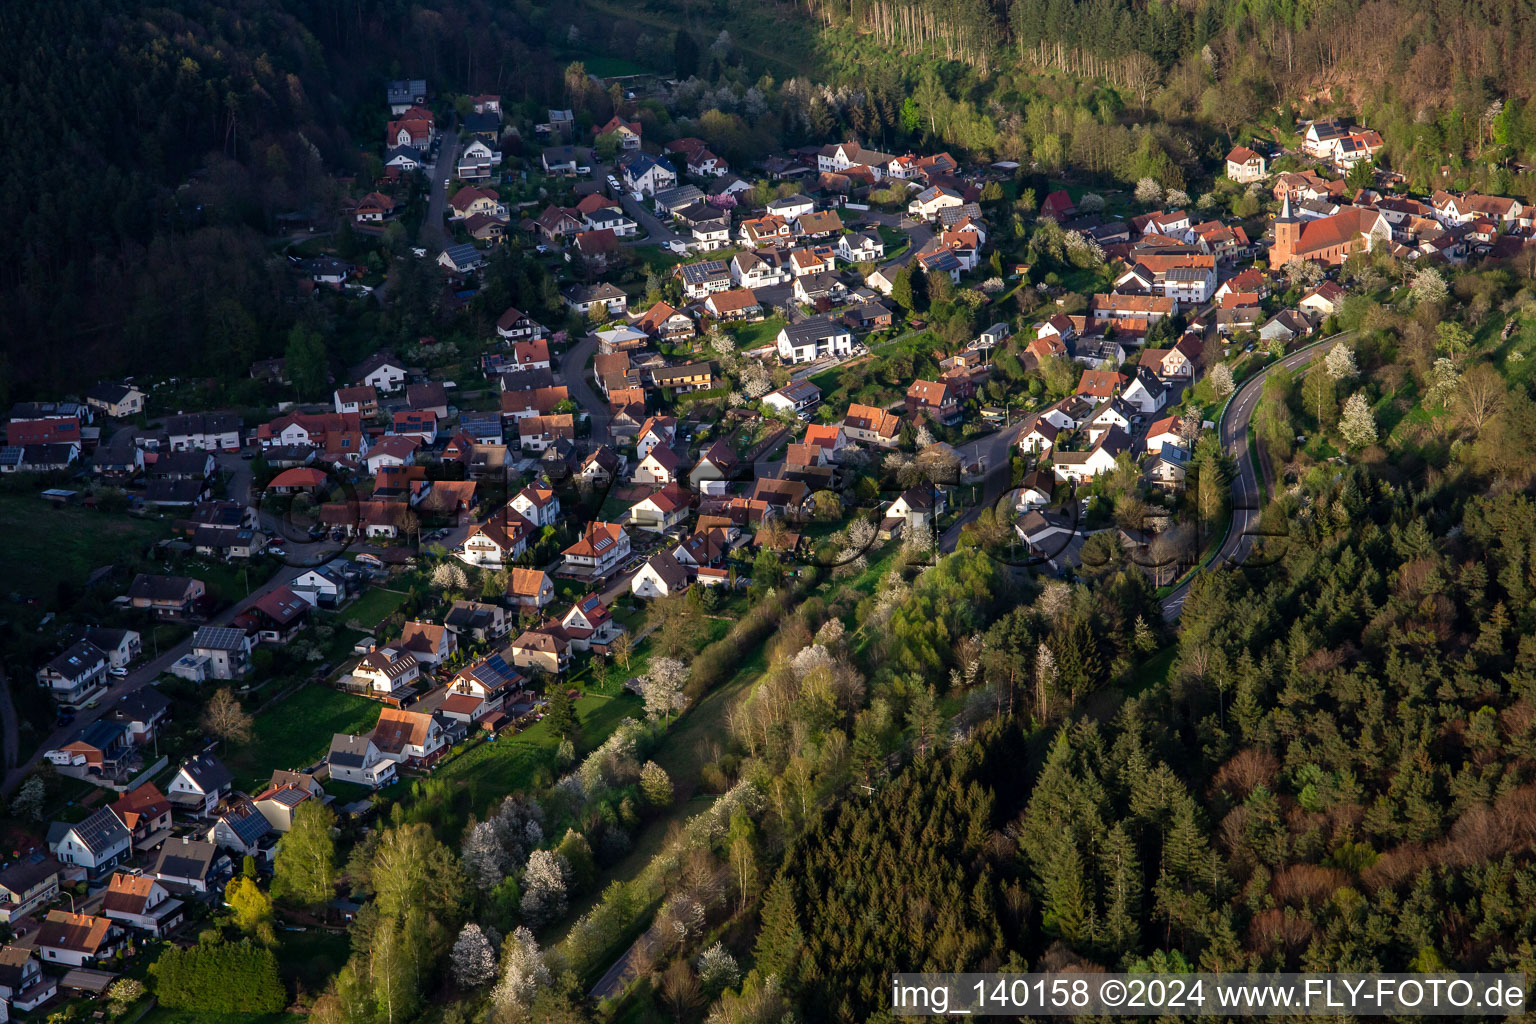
point(226, 718)
point(1481, 395)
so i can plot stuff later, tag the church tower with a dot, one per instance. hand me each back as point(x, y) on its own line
point(1287, 236)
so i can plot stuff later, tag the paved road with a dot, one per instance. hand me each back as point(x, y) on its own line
point(996, 453)
point(1246, 504)
point(432, 234)
point(573, 372)
point(239, 489)
point(640, 213)
point(138, 679)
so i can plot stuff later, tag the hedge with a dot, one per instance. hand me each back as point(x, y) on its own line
point(219, 977)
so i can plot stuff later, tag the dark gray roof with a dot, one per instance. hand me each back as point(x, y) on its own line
point(109, 393)
point(349, 751)
point(140, 706)
point(208, 773)
point(159, 588)
point(592, 292)
point(77, 660)
point(27, 872)
point(489, 121)
point(174, 492)
point(680, 196)
point(669, 569)
point(955, 214)
point(187, 859)
point(202, 423)
point(97, 833)
point(813, 329)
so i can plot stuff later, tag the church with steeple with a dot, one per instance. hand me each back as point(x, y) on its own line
point(1326, 240)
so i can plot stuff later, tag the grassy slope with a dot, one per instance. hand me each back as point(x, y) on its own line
point(47, 545)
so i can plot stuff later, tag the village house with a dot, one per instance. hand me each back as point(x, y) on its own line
point(76, 940)
point(734, 304)
point(798, 397)
point(646, 174)
point(934, 400)
point(661, 511)
point(76, 676)
point(190, 864)
point(387, 674)
point(146, 813)
point(23, 985)
point(430, 643)
point(814, 338)
point(530, 589)
point(595, 299)
point(539, 505)
point(142, 903)
point(241, 829)
point(356, 759)
point(715, 467)
point(602, 548)
point(601, 467)
point(200, 785)
point(222, 653)
point(205, 431)
point(683, 378)
point(97, 843)
point(476, 621)
point(870, 425)
point(916, 508)
point(284, 795)
point(27, 883)
point(118, 401)
point(661, 576)
point(1075, 467)
point(1244, 165)
point(411, 738)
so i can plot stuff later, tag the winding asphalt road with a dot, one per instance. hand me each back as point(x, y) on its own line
point(1236, 423)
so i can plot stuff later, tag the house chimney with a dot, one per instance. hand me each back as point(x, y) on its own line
point(185, 840)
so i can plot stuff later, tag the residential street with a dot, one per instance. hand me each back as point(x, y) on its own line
point(573, 372)
point(140, 677)
point(996, 453)
point(432, 236)
point(1246, 495)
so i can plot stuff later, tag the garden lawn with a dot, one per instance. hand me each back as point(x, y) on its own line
point(494, 769)
point(312, 958)
point(46, 546)
point(296, 732)
point(756, 335)
point(373, 607)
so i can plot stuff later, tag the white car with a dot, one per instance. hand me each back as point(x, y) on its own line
point(447, 182)
point(419, 253)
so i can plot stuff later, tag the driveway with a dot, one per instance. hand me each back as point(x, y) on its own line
point(432, 234)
